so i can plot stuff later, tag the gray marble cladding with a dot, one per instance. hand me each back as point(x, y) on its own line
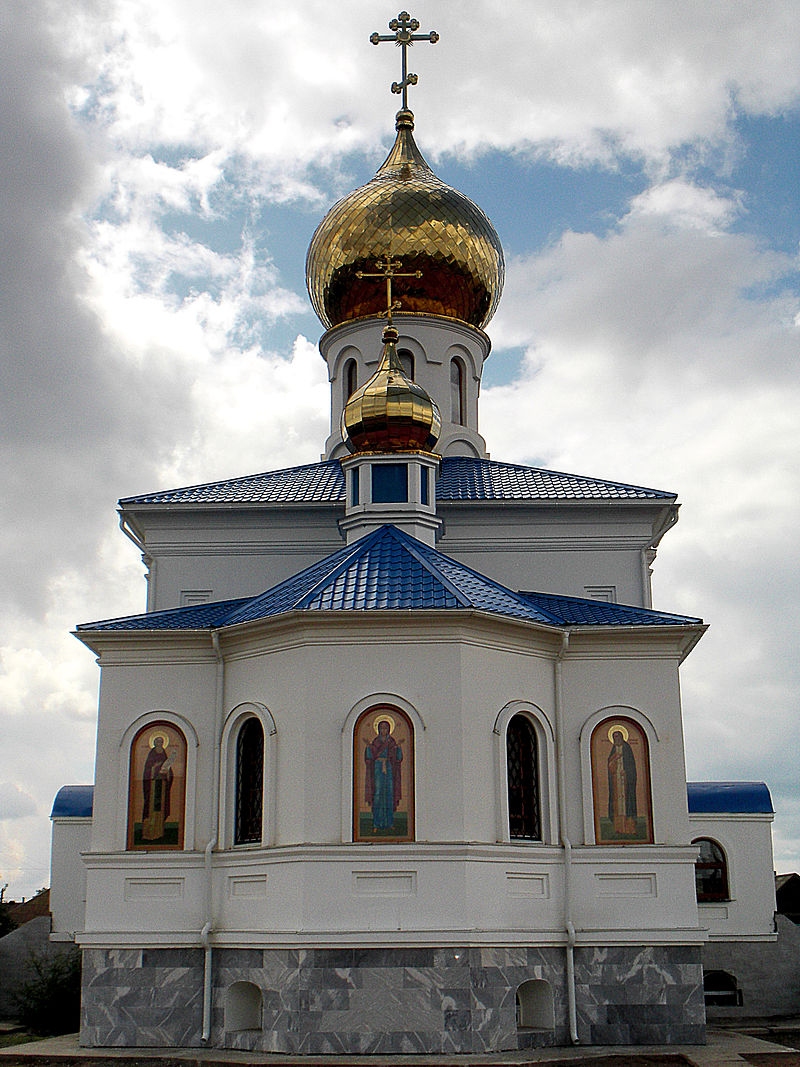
point(391, 1001)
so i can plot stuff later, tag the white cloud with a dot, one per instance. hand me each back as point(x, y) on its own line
point(685, 204)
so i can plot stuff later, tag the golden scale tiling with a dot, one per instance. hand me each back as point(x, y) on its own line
point(407, 213)
point(390, 413)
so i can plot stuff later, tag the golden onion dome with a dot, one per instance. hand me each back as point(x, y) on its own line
point(407, 213)
point(390, 413)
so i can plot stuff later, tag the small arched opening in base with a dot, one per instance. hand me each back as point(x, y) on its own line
point(243, 1004)
point(535, 1014)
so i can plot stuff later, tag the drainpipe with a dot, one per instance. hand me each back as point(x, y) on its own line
point(566, 844)
point(208, 926)
point(147, 559)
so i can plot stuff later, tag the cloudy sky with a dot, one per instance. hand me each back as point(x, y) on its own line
point(163, 164)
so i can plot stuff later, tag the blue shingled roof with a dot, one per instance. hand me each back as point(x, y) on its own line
point(578, 611)
point(390, 570)
point(460, 479)
point(729, 798)
point(73, 801)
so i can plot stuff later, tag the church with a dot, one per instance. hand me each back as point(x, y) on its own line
point(393, 761)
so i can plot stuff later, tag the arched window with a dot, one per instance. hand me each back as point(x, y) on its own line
point(383, 772)
point(522, 762)
point(350, 379)
point(407, 362)
point(721, 990)
point(457, 396)
point(621, 783)
point(243, 1003)
point(249, 783)
point(710, 871)
point(157, 788)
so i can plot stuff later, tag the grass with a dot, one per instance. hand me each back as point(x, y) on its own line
point(9, 1040)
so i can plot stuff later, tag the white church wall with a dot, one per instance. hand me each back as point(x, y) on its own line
point(570, 550)
point(70, 837)
point(233, 553)
point(746, 840)
point(311, 677)
point(150, 683)
point(605, 683)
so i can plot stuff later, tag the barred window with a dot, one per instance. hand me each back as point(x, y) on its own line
point(522, 756)
point(249, 783)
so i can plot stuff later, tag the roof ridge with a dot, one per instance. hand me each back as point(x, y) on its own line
point(339, 562)
point(484, 578)
point(410, 544)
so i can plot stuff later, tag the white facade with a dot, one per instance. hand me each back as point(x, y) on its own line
point(306, 679)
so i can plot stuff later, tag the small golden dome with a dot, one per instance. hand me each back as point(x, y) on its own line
point(390, 413)
point(406, 212)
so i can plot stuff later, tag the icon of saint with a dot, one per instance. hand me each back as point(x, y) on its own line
point(157, 778)
point(383, 790)
point(622, 785)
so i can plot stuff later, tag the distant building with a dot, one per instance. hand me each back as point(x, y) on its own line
point(787, 896)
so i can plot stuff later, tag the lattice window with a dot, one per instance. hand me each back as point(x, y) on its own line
point(522, 756)
point(249, 783)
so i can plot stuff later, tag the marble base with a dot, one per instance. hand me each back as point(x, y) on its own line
point(398, 1001)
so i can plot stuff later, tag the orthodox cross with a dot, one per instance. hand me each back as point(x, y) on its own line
point(389, 268)
point(404, 35)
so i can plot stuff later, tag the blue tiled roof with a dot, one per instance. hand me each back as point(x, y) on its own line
point(729, 798)
point(198, 617)
point(461, 479)
point(482, 479)
point(578, 611)
point(73, 801)
point(390, 570)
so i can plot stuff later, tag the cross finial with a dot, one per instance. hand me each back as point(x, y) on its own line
point(404, 35)
point(389, 268)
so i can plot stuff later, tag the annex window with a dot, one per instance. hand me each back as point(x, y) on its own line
point(157, 788)
point(522, 761)
point(721, 990)
point(457, 397)
point(249, 783)
point(710, 871)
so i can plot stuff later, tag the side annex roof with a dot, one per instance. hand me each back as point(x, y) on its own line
point(75, 801)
